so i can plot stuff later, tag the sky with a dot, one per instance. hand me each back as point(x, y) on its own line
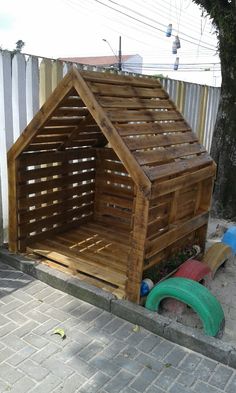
point(75, 28)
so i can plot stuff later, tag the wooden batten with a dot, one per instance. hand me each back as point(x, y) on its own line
point(136, 256)
point(14, 246)
point(108, 180)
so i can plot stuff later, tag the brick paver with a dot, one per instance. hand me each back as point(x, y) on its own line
point(101, 353)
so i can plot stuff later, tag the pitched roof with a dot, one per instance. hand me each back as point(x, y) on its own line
point(97, 60)
point(133, 114)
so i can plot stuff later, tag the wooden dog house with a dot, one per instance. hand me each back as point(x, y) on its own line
point(108, 180)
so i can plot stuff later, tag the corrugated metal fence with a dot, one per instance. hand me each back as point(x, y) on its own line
point(27, 81)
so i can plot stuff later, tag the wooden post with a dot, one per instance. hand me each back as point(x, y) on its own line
point(136, 256)
point(13, 210)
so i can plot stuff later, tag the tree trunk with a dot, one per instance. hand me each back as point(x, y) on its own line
point(223, 148)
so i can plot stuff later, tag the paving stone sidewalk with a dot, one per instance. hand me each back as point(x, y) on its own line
point(101, 353)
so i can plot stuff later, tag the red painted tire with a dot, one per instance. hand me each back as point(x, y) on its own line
point(193, 270)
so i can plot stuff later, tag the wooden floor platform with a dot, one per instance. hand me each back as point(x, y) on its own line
point(94, 252)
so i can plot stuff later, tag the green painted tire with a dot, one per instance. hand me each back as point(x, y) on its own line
point(196, 296)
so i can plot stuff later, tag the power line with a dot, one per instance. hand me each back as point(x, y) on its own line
point(147, 24)
point(153, 20)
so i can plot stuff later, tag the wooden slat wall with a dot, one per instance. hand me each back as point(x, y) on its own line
point(55, 195)
point(178, 214)
point(114, 193)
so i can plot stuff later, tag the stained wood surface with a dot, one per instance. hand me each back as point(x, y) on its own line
point(92, 249)
point(108, 179)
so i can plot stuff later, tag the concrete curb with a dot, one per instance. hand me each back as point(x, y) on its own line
point(157, 324)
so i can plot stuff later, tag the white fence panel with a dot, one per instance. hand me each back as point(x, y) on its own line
point(6, 135)
point(19, 94)
point(32, 87)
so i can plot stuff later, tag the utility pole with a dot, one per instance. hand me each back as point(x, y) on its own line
point(119, 55)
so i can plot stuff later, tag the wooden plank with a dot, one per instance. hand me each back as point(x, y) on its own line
point(120, 237)
point(61, 217)
point(84, 264)
point(13, 206)
point(108, 154)
point(186, 211)
point(62, 227)
point(27, 215)
point(115, 189)
point(206, 194)
point(63, 121)
point(149, 141)
point(153, 157)
point(42, 147)
point(103, 89)
point(114, 166)
point(142, 115)
point(111, 134)
point(118, 179)
point(156, 141)
point(87, 236)
point(24, 190)
point(117, 200)
point(50, 197)
point(134, 103)
point(70, 111)
point(95, 281)
point(115, 212)
point(25, 175)
point(162, 171)
point(179, 231)
point(94, 247)
point(152, 128)
point(168, 186)
point(110, 78)
point(73, 100)
point(31, 159)
point(136, 256)
point(41, 117)
point(62, 130)
point(157, 224)
point(49, 138)
point(117, 225)
point(158, 211)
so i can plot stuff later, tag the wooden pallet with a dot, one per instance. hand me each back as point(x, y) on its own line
point(93, 252)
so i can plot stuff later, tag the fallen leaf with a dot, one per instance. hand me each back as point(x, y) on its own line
point(136, 329)
point(167, 365)
point(61, 332)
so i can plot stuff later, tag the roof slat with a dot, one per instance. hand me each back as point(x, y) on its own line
point(142, 115)
point(152, 128)
point(134, 103)
point(146, 142)
point(177, 168)
point(151, 157)
point(126, 91)
point(105, 77)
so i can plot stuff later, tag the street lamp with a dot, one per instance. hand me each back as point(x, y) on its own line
point(119, 58)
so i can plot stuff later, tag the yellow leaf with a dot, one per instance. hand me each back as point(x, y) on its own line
point(136, 329)
point(61, 332)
